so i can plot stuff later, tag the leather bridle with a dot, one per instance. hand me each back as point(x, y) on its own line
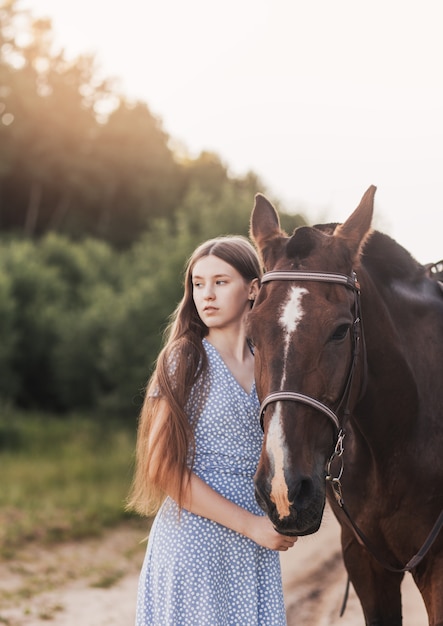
point(350, 282)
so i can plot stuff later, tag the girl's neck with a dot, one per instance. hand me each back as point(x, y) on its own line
point(237, 356)
point(233, 345)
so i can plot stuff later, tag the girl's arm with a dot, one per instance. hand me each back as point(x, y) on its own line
point(201, 499)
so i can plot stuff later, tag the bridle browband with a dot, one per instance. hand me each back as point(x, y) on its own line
point(350, 282)
point(322, 277)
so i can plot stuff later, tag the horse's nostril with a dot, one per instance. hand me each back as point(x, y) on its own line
point(302, 492)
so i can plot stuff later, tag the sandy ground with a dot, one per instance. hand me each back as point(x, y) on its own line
point(314, 579)
point(93, 583)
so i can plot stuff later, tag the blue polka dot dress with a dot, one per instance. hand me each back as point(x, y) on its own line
point(197, 572)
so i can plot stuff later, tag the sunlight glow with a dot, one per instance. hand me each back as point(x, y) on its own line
point(319, 108)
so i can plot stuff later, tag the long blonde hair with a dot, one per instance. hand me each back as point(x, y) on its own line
point(164, 451)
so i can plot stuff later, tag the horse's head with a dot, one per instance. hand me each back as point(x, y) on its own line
point(303, 329)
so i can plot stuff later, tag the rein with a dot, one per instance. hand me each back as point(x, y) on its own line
point(349, 282)
point(361, 537)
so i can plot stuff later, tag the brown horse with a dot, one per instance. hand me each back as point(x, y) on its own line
point(348, 334)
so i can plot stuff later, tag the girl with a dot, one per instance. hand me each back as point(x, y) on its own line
point(212, 557)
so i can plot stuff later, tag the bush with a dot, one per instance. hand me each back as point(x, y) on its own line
point(60, 300)
point(81, 323)
point(9, 379)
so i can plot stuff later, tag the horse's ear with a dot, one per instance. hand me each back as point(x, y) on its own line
point(358, 225)
point(264, 227)
point(265, 222)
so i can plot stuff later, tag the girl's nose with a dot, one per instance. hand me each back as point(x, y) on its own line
point(209, 292)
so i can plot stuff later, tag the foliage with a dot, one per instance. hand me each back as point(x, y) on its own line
point(8, 338)
point(97, 217)
point(76, 156)
point(57, 292)
point(82, 323)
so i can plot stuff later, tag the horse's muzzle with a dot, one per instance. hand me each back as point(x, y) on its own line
point(305, 513)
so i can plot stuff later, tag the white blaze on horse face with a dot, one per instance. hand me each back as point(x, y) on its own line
point(291, 314)
point(275, 448)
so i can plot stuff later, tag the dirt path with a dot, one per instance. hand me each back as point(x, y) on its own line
point(87, 583)
point(93, 583)
point(315, 580)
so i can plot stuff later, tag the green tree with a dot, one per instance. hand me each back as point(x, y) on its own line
point(90, 272)
point(9, 379)
point(63, 165)
point(47, 125)
point(36, 291)
point(139, 177)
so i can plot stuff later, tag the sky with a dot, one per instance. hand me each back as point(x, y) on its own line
point(320, 98)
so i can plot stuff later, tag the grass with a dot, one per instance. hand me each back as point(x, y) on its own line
point(62, 478)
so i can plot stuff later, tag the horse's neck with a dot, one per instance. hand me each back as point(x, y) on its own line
point(391, 386)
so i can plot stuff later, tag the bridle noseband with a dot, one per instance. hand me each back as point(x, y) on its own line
point(349, 282)
point(276, 396)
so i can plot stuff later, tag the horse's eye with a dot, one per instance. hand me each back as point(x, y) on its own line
point(340, 332)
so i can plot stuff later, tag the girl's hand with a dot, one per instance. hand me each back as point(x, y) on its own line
point(262, 532)
point(202, 500)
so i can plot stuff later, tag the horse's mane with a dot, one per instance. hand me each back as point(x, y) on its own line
point(384, 258)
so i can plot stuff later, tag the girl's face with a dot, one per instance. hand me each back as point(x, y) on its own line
point(221, 294)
